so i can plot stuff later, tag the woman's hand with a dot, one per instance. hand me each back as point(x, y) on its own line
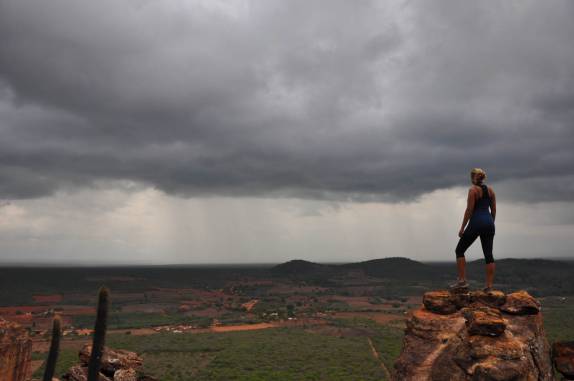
point(460, 232)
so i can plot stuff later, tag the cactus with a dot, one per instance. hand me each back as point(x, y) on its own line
point(99, 335)
point(54, 349)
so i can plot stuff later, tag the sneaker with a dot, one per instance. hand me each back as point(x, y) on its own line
point(459, 284)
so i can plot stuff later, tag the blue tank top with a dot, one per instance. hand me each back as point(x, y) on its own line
point(481, 217)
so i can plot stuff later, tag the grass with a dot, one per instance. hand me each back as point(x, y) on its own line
point(388, 340)
point(270, 354)
point(66, 359)
point(558, 322)
point(283, 353)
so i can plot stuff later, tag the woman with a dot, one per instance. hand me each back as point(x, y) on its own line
point(481, 224)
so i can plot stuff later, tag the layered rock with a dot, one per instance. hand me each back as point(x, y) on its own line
point(481, 336)
point(485, 321)
point(521, 303)
point(15, 351)
point(117, 365)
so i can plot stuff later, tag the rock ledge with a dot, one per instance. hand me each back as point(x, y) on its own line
point(117, 365)
point(481, 336)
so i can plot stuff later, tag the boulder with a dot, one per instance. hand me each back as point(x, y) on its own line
point(521, 303)
point(117, 365)
point(477, 342)
point(484, 321)
point(492, 298)
point(15, 351)
point(112, 359)
point(126, 375)
point(440, 302)
point(447, 302)
point(563, 357)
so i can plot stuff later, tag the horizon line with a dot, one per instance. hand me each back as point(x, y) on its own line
point(12, 264)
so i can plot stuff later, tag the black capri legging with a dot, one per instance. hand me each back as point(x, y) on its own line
point(470, 235)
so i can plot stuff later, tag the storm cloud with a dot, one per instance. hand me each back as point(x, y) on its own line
point(328, 100)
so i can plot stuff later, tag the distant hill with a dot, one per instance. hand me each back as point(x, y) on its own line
point(394, 268)
point(540, 276)
point(390, 268)
point(532, 264)
point(299, 267)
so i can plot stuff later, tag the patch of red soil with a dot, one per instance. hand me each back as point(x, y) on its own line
point(194, 303)
point(24, 320)
point(243, 327)
point(290, 289)
point(22, 309)
point(76, 310)
point(250, 304)
point(54, 298)
point(381, 318)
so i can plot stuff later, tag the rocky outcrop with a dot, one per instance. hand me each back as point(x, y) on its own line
point(117, 365)
point(480, 336)
point(15, 351)
point(113, 359)
point(521, 303)
point(563, 357)
point(484, 321)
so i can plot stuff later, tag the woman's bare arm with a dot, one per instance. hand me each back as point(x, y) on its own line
point(493, 205)
point(469, 208)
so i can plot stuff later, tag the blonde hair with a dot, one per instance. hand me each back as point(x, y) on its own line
point(478, 174)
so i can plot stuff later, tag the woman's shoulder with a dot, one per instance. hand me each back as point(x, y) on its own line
point(477, 189)
point(474, 188)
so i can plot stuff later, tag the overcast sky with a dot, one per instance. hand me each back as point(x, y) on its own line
point(182, 131)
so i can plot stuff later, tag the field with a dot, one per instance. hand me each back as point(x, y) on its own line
point(340, 351)
point(258, 323)
point(558, 318)
point(337, 350)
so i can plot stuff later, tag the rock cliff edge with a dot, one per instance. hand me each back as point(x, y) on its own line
point(475, 335)
point(15, 351)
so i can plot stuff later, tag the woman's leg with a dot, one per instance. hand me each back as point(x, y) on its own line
point(486, 241)
point(461, 268)
point(464, 243)
point(489, 274)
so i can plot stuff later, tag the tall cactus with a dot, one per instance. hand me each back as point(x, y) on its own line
point(54, 349)
point(99, 335)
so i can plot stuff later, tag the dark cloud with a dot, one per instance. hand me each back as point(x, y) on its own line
point(328, 100)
